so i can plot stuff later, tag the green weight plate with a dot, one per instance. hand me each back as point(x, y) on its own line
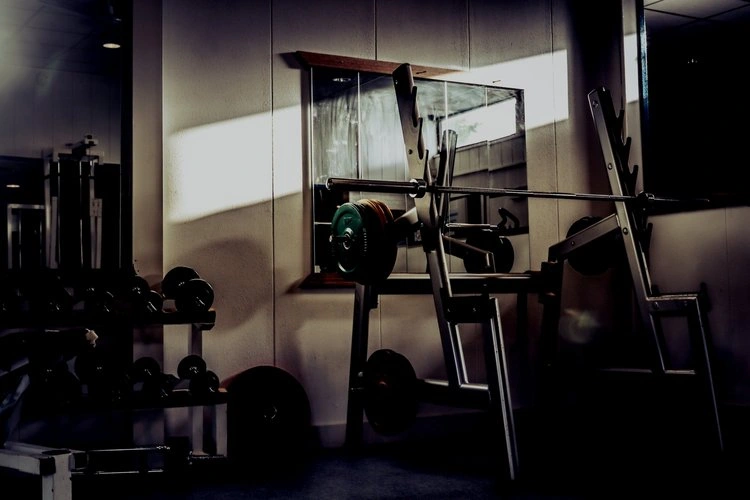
point(349, 240)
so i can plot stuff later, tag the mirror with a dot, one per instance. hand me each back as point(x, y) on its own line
point(356, 133)
point(694, 141)
point(64, 176)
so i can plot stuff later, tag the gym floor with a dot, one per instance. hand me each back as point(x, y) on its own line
point(607, 446)
point(581, 456)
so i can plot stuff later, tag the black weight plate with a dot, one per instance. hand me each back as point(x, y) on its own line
point(154, 302)
point(89, 366)
point(145, 368)
point(191, 365)
point(390, 392)
point(595, 257)
point(500, 246)
point(194, 295)
point(136, 287)
point(204, 383)
point(174, 278)
point(268, 419)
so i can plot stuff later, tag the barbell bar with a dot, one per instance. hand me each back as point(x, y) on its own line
point(418, 188)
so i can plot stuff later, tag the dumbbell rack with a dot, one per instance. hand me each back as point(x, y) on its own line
point(57, 466)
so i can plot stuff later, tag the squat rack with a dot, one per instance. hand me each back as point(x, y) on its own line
point(467, 298)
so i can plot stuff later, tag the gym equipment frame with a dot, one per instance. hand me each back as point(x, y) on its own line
point(630, 225)
point(466, 298)
point(459, 299)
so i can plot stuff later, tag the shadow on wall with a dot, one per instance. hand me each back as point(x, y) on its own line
point(229, 251)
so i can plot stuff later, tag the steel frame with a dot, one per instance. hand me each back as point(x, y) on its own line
point(464, 298)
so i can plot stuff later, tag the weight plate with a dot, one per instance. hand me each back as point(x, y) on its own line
point(268, 419)
point(362, 242)
point(191, 365)
point(194, 295)
point(204, 383)
point(349, 240)
point(174, 278)
point(390, 392)
point(145, 368)
point(500, 246)
point(136, 287)
point(595, 257)
point(387, 251)
point(89, 366)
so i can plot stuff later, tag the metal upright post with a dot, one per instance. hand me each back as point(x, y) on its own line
point(365, 300)
point(652, 306)
point(450, 310)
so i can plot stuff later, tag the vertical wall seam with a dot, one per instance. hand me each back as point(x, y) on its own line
point(554, 121)
point(728, 325)
point(375, 35)
point(274, 336)
point(468, 34)
point(375, 25)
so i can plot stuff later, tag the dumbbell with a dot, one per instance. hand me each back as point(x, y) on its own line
point(189, 292)
point(140, 295)
point(147, 380)
point(95, 374)
point(48, 294)
point(97, 299)
point(201, 381)
point(11, 300)
point(55, 385)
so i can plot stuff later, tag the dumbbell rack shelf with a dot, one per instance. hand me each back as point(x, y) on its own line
point(177, 399)
point(55, 466)
point(30, 321)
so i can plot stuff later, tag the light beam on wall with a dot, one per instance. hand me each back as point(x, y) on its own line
point(630, 49)
point(218, 167)
point(543, 78)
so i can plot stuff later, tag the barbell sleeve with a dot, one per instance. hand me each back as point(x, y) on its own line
point(414, 187)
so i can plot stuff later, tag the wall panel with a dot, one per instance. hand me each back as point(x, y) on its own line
point(217, 172)
point(312, 329)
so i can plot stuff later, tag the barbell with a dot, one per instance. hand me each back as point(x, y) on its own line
point(417, 188)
